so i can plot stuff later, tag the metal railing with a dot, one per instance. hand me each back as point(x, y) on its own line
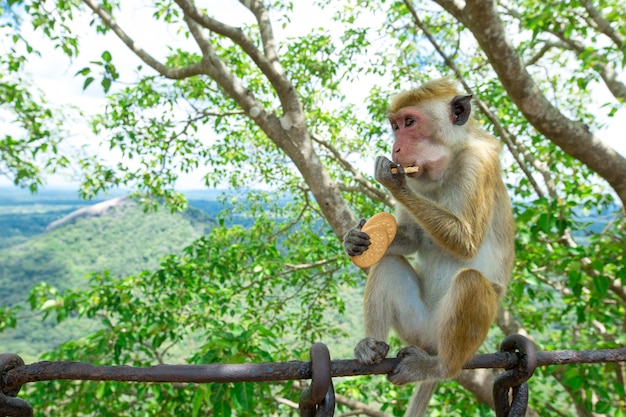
point(517, 356)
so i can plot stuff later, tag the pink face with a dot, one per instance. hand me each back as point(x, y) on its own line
point(411, 129)
point(414, 145)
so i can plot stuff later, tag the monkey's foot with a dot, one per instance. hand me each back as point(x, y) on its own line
point(415, 365)
point(370, 351)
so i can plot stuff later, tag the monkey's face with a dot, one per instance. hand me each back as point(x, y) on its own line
point(419, 137)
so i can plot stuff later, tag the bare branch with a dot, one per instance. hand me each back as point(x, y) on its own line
point(544, 49)
point(367, 187)
point(454, 7)
point(507, 323)
point(267, 34)
point(218, 71)
point(289, 132)
point(607, 69)
point(164, 70)
point(603, 25)
point(285, 401)
point(358, 405)
point(233, 33)
point(269, 65)
point(350, 403)
point(293, 268)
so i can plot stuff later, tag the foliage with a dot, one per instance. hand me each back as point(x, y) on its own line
point(63, 256)
point(274, 113)
point(29, 149)
point(203, 307)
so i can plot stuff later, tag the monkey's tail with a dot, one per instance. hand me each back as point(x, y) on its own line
point(421, 398)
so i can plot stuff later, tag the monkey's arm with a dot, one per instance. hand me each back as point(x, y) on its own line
point(408, 235)
point(461, 231)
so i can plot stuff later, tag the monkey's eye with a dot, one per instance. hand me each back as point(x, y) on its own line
point(394, 126)
point(409, 121)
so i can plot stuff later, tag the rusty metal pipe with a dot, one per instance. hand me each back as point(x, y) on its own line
point(255, 372)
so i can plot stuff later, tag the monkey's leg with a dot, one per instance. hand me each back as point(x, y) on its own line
point(392, 299)
point(463, 316)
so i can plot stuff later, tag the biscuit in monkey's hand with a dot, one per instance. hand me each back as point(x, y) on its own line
point(381, 229)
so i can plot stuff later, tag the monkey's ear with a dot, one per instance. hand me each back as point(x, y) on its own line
point(460, 110)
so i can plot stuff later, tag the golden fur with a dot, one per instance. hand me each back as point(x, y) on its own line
point(432, 90)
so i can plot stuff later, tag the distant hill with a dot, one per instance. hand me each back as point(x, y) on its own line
point(122, 238)
point(79, 239)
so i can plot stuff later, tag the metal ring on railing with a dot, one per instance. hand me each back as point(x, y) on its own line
point(10, 405)
point(318, 400)
point(515, 378)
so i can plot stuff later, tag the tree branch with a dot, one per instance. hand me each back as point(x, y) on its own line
point(350, 403)
point(164, 70)
point(233, 33)
point(269, 65)
point(454, 7)
point(289, 132)
point(544, 49)
point(574, 137)
point(367, 187)
point(607, 69)
point(360, 406)
point(288, 403)
point(603, 25)
point(218, 71)
point(507, 137)
point(267, 34)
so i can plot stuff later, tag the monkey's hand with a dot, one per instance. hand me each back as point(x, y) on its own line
point(355, 242)
point(386, 177)
point(415, 365)
point(370, 351)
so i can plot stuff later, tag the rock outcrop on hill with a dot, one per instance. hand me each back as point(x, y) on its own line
point(95, 210)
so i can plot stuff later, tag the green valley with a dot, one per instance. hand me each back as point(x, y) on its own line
point(56, 238)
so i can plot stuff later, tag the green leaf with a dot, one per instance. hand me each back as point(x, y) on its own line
point(88, 81)
point(244, 393)
point(545, 222)
point(106, 56)
point(602, 285)
point(198, 401)
point(572, 379)
point(603, 407)
point(84, 71)
point(106, 84)
point(221, 408)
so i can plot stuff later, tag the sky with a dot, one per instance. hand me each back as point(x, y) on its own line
point(55, 75)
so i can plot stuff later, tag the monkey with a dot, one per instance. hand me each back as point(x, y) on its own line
point(455, 218)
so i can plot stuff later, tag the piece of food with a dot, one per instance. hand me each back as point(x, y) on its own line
point(407, 170)
point(381, 229)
